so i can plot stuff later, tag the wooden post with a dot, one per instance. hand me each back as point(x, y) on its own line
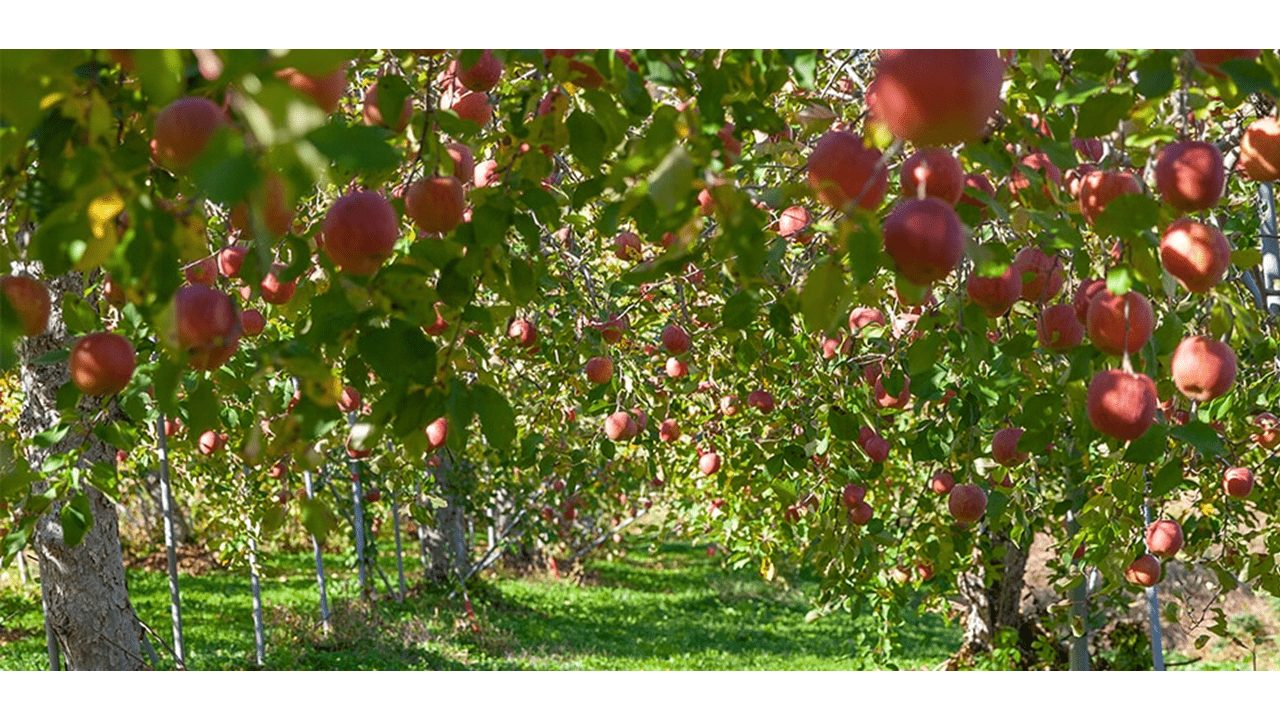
point(170, 540)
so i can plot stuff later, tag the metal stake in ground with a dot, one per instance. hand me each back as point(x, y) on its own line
point(1153, 598)
point(1270, 248)
point(315, 545)
point(395, 521)
point(170, 540)
point(358, 496)
point(1079, 651)
point(259, 641)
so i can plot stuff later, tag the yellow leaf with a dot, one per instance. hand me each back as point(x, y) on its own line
point(767, 570)
point(101, 217)
point(103, 211)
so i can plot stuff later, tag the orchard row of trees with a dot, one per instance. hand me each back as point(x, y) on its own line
point(888, 315)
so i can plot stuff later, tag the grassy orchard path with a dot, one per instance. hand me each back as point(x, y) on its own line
point(676, 609)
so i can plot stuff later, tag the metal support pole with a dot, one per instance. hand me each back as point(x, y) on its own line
point(24, 575)
point(170, 540)
point(319, 552)
point(395, 522)
point(1079, 651)
point(1270, 248)
point(1153, 603)
point(259, 639)
point(422, 536)
point(358, 496)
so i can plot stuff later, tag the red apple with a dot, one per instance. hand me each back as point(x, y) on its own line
point(1237, 482)
point(1203, 368)
point(325, 90)
point(481, 74)
point(709, 463)
point(967, 503)
point(599, 370)
point(1260, 150)
point(942, 482)
point(675, 340)
point(925, 239)
point(1144, 571)
point(435, 204)
point(102, 363)
point(275, 291)
point(437, 433)
point(1042, 275)
point(843, 170)
point(372, 112)
point(523, 332)
point(1108, 328)
point(1190, 175)
point(669, 430)
point(1121, 404)
point(360, 232)
point(1004, 447)
point(933, 172)
point(349, 400)
point(793, 221)
point(937, 97)
point(1099, 188)
point(853, 495)
point(995, 295)
point(30, 301)
point(183, 129)
point(1164, 538)
point(1059, 329)
point(252, 322)
point(761, 400)
point(1196, 254)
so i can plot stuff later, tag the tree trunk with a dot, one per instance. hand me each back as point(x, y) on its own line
point(992, 594)
point(83, 587)
point(447, 541)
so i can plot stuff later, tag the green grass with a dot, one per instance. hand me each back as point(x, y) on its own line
point(674, 610)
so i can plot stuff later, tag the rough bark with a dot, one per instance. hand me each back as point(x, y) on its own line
point(83, 587)
point(446, 541)
point(992, 593)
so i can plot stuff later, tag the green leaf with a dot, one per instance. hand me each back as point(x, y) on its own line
point(1101, 114)
point(670, 184)
point(1250, 77)
point(821, 298)
point(356, 148)
point(1155, 74)
point(1148, 448)
point(844, 426)
point(586, 139)
point(77, 518)
point(739, 310)
point(1201, 436)
point(317, 518)
point(1119, 280)
point(497, 419)
point(1167, 478)
point(1128, 216)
